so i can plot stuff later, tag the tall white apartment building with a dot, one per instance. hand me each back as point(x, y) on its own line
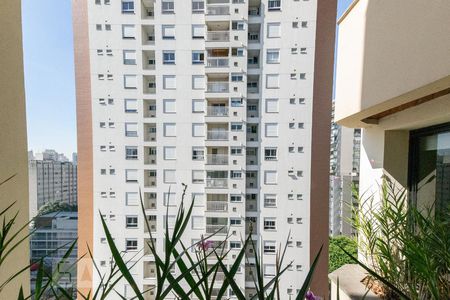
point(232, 98)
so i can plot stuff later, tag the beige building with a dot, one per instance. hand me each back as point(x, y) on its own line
point(13, 141)
point(393, 80)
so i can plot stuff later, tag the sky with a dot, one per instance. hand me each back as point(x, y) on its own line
point(49, 74)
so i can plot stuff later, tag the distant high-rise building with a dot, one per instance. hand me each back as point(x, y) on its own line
point(344, 175)
point(51, 181)
point(229, 97)
point(53, 235)
point(75, 158)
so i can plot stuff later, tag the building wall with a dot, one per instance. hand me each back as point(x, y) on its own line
point(13, 140)
point(412, 62)
point(103, 149)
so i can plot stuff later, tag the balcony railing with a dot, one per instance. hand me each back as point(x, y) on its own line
point(220, 229)
point(218, 36)
point(217, 111)
point(218, 1)
point(217, 62)
point(217, 183)
point(217, 159)
point(216, 135)
point(218, 10)
point(218, 87)
point(217, 206)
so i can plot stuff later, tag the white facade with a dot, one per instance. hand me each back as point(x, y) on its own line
point(213, 94)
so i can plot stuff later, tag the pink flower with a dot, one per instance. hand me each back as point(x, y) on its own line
point(310, 296)
point(204, 245)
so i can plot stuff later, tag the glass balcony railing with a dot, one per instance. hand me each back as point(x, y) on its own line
point(218, 10)
point(217, 206)
point(219, 229)
point(217, 183)
point(218, 36)
point(218, 87)
point(217, 135)
point(217, 63)
point(217, 111)
point(217, 159)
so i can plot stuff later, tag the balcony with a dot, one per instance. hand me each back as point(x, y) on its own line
point(217, 10)
point(217, 183)
point(217, 135)
point(251, 156)
point(251, 225)
point(148, 35)
point(252, 132)
point(149, 270)
point(251, 206)
point(217, 111)
point(218, 1)
point(217, 229)
point(150, 155)
point(149, 292)
point(252, 108)
point(218, 36)
point(217, 206)
point(147, 250)
point(150, 178)
point(149, 108)
point(148, 59)
point(147, 9)
point(219, 62)
point(149, 84)
point(218, 87)
point(151, 223)
point(217, 159)
point(149, 132)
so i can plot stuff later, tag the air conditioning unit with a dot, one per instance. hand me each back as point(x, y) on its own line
point(153, 183)
point(153, 205)
point(151, 38)
point(153, 139)
point(150, 13)
point(153, 161)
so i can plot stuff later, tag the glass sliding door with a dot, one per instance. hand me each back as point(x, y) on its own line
point(429, 168)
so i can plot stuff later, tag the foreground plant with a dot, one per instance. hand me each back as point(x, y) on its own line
point(407, 251)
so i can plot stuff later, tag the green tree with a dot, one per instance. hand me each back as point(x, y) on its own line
point(337, 257)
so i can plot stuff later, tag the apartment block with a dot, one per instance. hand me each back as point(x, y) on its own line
point(345, 147)
point(232, 98)
point(51, 180)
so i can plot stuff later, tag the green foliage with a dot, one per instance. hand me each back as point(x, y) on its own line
point(55, 207)
point(337, 257)
point(408, 250)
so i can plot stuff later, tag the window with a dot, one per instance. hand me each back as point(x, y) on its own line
point(235, 198)
point(131, 129)
point(270, 177)
point(236, 126)
point(170, 129)
point(302, 75)
point(236, 151)
point(130, 81)
point(98, 26)
point(304, 24)
point(131, 152)
point(131, 244)
point(273, 56)
point(291, 125)
point(294, 24)
point(128, 32)
point(269, 270)
point(132, 198)
point(301, 125)
point(235, 174)
point(168, 199)
point(112, 171)
point(299, 220)
point(198, 129)
point(101, 77)
point(198, 105)
point(299, 196)
point(170, 153)
point(170, 176)
point(198, 6)
point(274, 4)
point(168, 32)
point(236, 77)
point(168, 57)
point(198, 82)
point(99, 52)
point(103, 171)
point(131, 175)
point(167, 6)
point(169, 82)
point(273, 30)
point(270, 200)
point(131, 105)
point(272, 81)
point(270, 224)
point(293, 76)
point(237, 51)
point(198, 31)
point(236, 102)
point(235, 221)
point(294, 50)
point(235, 245)
point(198, 57)
point(129, 57)
point(271, 129)
point(198, 176)
point(270, 247)
point(303, 51)
point(198, 222)
point(237, 25)
point(102, 124)
point(169, 106)
point(271, 105)
point(198, 153)
point(127, 6)
point(270, 153)
point(301, 100)
point(131, 222)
